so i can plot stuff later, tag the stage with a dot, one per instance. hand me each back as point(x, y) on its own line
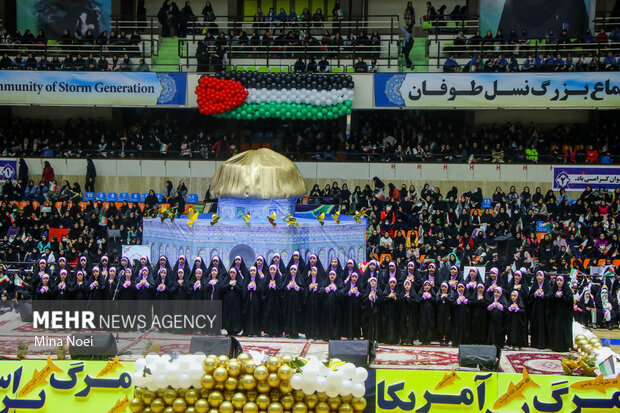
point(417, 357)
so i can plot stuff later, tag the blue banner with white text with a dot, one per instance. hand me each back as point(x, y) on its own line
point(578, 178)
point(498, 90)
point(92, 88)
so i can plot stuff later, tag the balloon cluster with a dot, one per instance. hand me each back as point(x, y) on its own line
point(216, 96)
point(309, 96)
point(344, 379)
point(287, 111)
point(236, 385)
point(587, 346)
point(287, 81)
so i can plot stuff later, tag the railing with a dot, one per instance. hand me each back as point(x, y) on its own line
point(145, 48)
point(606, 22)
point(468, 24)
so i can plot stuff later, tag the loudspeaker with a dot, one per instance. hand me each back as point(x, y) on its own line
point(25, 311)
point(92, 344)
point(228, 346)
point(485, 357)
point(358, 352)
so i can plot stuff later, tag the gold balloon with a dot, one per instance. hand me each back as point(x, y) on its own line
point(287, 401)
point(234, 368)
point(322, 397)
point(209, 364)
point(148, 397)
point(252, 395)
point(300, 396)
point(201, 406)
point(261, 372)
point(334, 403)
point(285, 386)
point(169, 396)
point(249, 366)
point(345, 408)
point(213, 411)
point(157, 406)
point(215, 399)
point(136, 405)
point(228, 395)
point(137, 392)
point(191, 395)
point(226, 407)
point(581, 342)
point(169, 409)
point(190, 409)
point(222, 360)
point(273, 380)
point(160, 393)
point(275, 394)
point(597, 345)
point(250, 407)
point(220, 375)
point(580, 336)
point(181, 392)
point(594, 340)
point(587, 349)
point(300, 407)
point(273, 363)
point(262, 387)
point(287, 358)
point(262, 401)
point(219, 386)
point(312, 400)
point(231, 384)
point(147, 410)
point(275, 407)
point(248, 382)
point(238, 400)
point(285, 372)
point(358, 404)
point(322, 407)
point(243, 357)
point(346, 399)
point(179, 405)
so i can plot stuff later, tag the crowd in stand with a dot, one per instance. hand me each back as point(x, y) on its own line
point(500, 53)
point(384, 136)
point(419, 290)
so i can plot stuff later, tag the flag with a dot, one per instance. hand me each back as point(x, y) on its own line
point(24, 237)
point(471, 159)
point(578, 233)
point(103, 221)
point(609, 272)
point(447, 219)
point(573, 274)
point(5, 278)
point(18, 281)
point(433, 189)
point(366, 148)
point(53, 187)
point(163, 148)
point(607, 367)
point(520, 224)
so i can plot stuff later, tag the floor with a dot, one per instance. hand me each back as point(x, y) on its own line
point(434, 357)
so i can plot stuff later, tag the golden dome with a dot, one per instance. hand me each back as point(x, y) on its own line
point(258, 173)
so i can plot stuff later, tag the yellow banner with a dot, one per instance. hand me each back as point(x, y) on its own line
point(439, 391)
point(65, 386)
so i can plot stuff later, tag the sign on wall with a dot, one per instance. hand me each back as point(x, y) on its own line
point(578, 178)
point(92, 88)
point(497, 90)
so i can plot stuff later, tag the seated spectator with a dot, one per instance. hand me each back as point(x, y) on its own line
point(513, 38)
point(67, 63)
point(28, 37)
point(488, 38)
point(551, 36)
point(282, 16)
point(323, 65)
point(609, 62)
point(499, 37)
point(115, 64)
point(513, 65)
point(592, 155)
point(79, 63)
point(374, 67)
point(528, 64)
point(66, 37)
point(475, 40)
point(142, 66)
point(5, 37)
point(103, 66)
point(360, 66)
point(91, 63)
point(88, 38)
point(44, 64)
point(6, 63)
point(300, 66)
point(559, 65)
point(602, 37)
point(126, 64)
point(450, 65)
point(41, 38)
point(311, 67)
point(564, 38)
point(587, 37)
point(524, 37)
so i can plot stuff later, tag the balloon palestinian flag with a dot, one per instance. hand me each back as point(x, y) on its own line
point(253, 95)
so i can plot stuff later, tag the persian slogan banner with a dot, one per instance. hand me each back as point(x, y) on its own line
point(92, 88)
point(67, 386)
point(8, 169)
point(498, 90)
point(445, 391)
point(577, 178)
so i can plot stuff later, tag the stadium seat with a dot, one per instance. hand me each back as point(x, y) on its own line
point(336, 70)
point(250, 69)
point(263, 69)
point(239, 68)
point(89, 196)
point(572, 201)
point(229, 68)
point(160, 197)
point(382, 257)
point(486, 203)
point(616, 264)
point(143, 197)
point(192, 199)
point(112, 196)
point(350, 70)
point(123, 196)
point(101, 196)
point(285, 69)
point(586, 263)
point(275, 70)
point(135, 197)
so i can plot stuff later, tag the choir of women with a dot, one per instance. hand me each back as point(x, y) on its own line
point(391, 305)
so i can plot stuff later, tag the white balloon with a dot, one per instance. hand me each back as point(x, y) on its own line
point(309, 379)
point(321, 384)
point(139, 365)
point(348, 371)
point(328, 101)
point(151, 359)
point(183, 381)
point(308, 388)
point(331, 391)
point(346, 387)
point(333, 379)
point(297, 381)
point(137, 379)
point(358, 390)
point(161, 381)
point(361, 374)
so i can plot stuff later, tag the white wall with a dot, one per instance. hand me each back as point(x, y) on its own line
point(139, 176)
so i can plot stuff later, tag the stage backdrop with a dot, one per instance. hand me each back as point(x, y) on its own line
point(536, 16)
point(54, 16)
point(493, 90)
